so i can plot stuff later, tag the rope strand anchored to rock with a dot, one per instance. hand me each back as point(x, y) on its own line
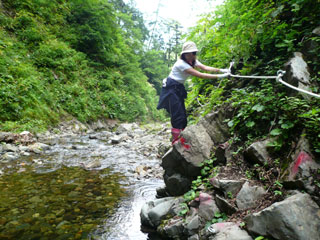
point(279, 76)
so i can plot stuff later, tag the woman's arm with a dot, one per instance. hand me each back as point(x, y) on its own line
point(207, 68)
point(210, 69)
point(198, 74)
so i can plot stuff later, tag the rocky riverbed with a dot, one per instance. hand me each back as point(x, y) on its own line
point(80, 181)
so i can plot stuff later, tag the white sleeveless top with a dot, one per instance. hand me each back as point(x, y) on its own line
point(177, 72)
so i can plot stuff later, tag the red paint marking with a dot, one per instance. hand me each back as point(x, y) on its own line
point(186, 146)
point(302, 158)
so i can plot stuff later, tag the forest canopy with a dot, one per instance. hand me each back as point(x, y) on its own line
point(78, 58)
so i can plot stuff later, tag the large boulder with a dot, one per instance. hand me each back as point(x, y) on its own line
point(295, 218)
point(215, 125)
point(188, 161)
point(183, 164)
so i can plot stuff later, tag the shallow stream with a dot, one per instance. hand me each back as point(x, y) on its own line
point(57, 195)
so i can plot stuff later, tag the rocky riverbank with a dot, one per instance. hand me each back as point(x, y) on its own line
point(220, 189)
point(151, 140)
point(80, 180)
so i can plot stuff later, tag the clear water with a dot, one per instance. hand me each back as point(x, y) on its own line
point(53, 196)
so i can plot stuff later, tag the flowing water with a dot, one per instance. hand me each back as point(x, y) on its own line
point(54, 196)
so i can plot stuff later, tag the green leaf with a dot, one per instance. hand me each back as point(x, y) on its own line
point(258, 108)
point(230, 123)
point(276, 132)
point(287, 125)
point(250, 124)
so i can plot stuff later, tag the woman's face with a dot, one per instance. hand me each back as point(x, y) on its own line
point(191, 56)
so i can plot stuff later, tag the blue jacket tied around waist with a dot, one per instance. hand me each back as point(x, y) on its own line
point(172, 99)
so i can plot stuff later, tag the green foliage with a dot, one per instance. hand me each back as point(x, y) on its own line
point(260, 36)
point(219, 217)
point(79, 58)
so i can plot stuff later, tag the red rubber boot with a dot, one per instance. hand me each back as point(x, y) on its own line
point(175, 134)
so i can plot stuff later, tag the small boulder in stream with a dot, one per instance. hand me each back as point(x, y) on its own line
point(153, 212)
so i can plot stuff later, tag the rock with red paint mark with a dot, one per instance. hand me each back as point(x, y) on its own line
point(227, 231)
point(295, 218)
point(208, 207)
point(184, 163)
point(301, 173)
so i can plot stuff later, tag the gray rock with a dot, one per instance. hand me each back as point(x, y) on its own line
point(228, 231)
point(116, 139)
point(257, 153)
point(215, 126)
point(173, 229)
point(9, 148)
point(38, 147)
point(295, 218)
point(23, 148)
point(207, 207)
point(192, 222)
point(162, 192)
point(126, 127)
point(177, 184)
point(93, 164)
point(297, 73)
point(249, 195)
point(154, 211)
point(194, 237)
point(301, 173)
point(188, 162)
point(227, 186)
point(9, 156)
point(3, 136)
point(316, 31)
point(98, 125)
point(221, 156)
point(225, 206)
point(176, 206)
point(200, 142)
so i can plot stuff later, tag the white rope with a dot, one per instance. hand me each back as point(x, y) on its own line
point(259, 77)
point(278, 78)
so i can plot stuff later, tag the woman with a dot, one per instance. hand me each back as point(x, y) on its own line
point(173, 92)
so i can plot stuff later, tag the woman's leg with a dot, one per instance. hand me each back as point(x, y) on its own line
point(178, 119)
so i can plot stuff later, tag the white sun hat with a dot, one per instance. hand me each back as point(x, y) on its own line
point(189, 47)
